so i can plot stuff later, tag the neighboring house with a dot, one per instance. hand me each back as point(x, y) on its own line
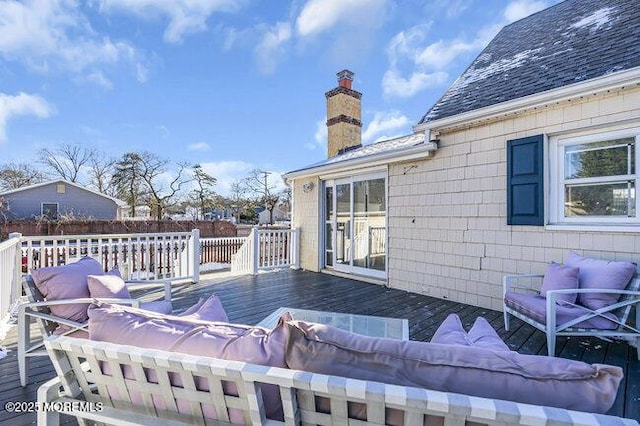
point(61, 198)
point(265, 218)
point(142, 213)
point(530, 154)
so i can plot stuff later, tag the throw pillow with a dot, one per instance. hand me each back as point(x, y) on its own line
point(451, 332)
point(67, 282)
point(207, 310)
point(530, 379)
point(482, 335)
point(107, 286)
point(600, 274)
point(560, 277)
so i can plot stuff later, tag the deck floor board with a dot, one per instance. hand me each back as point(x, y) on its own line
point(249, 299)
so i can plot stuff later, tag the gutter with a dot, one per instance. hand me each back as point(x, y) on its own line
point(418, 152)
point(590, 87)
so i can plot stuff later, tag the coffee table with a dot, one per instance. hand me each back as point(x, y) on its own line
point(393, 328)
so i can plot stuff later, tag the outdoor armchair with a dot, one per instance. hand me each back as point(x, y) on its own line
point(557, 317)
point(38, 309)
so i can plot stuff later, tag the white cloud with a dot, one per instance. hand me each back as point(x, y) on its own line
point(53, 34)
point(21, 104)
point(519, 9)
point(395, 85)
point(414, 66)
point(318, 16)
point(185, 16)
point(226, 173)
point(320, 136)
point(199, 146)
point(271, 48)
point(384, 122)
point(97, 77)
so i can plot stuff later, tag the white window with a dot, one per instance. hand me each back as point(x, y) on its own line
point(594, 178)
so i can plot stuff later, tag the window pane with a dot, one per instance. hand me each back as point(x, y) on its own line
point(613, 199)
point(609, 158)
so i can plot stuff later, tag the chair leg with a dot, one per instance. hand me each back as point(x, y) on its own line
point(23, 341)
point(551, 343)
point(506, 320)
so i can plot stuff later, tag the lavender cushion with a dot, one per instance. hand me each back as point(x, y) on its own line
point(535, 306)
point(127, 325)
point(602, 274)
point(482, 335)
point(451, 332)
point(67, 282)
point(560, 277)
point(506, 375)
point(207, 310)
point(108, 286)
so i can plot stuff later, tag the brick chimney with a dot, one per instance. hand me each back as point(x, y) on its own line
point(344, 125)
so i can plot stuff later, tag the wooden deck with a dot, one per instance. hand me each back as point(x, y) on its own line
point(249, 299)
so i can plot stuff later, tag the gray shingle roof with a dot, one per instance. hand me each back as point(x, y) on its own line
point(570, 42)
point(396, 145)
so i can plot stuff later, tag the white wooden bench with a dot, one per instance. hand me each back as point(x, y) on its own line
point(81, 389)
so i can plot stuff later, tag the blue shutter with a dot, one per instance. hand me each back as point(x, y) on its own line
point(525, 181)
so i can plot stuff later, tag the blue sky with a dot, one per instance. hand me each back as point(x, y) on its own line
point(231, 84)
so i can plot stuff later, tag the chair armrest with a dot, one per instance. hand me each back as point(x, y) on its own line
point(133, 302)
point(136, 284)
point(509, 282)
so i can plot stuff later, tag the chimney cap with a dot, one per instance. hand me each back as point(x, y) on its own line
point(345, 75)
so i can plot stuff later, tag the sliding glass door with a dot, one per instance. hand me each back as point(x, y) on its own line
point(355, 225)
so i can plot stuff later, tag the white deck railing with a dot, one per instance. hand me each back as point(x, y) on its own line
point(10, 272)
point(266, 249)
point(173, 255)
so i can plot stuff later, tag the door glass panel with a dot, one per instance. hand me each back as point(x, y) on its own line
point(369, 224)
point(343, 224)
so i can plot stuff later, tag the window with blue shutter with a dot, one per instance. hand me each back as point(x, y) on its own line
point(525, 181)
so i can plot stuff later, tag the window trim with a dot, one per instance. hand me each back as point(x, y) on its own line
point(50, 203)
point(557, 181)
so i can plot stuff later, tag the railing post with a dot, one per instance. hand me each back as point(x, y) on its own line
point(295, 248)
point(195, 244)
point(255, 261)
point(16, 291)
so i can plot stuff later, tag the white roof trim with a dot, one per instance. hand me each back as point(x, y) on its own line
point(415, 153)
point(38, 185)
point(595, 85)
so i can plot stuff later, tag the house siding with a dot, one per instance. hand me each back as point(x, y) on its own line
point(74, 201)
point(305, 217)
point(448, 232)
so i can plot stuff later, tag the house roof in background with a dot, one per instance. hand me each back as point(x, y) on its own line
point(55, 181)
point(396, 146)
point(571, 42)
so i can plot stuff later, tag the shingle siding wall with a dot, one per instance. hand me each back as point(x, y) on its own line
point(305, 217)
point(74, 201)
point(448, 233)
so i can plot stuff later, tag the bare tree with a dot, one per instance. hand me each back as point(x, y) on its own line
point(101, 171)
point(161, 195)
point(203, 194)
point(17, 175)
point(258, 183)
point(66, 160)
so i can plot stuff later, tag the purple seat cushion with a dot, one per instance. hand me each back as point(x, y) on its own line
point(207, 310)
point(561, 277)
point(535, 306)
point(67, 282)
point(482, 335)
point(451, 332)
point(531, 379)
point(603, 274)
point(127, 325)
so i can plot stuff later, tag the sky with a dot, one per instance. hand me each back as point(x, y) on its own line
point(233, 85)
